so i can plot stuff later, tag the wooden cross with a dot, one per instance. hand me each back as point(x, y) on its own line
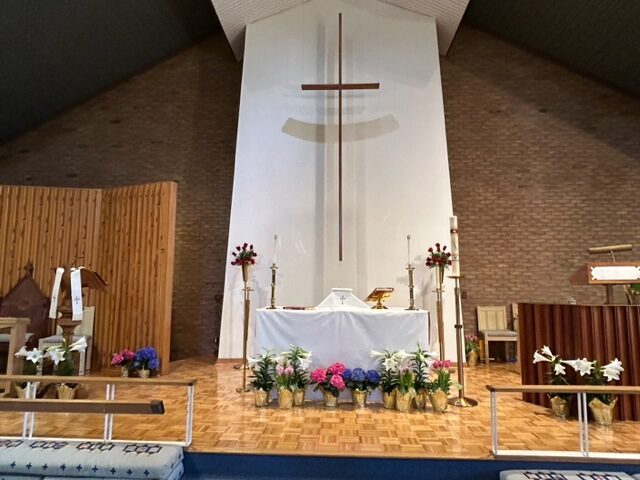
point(340, 87)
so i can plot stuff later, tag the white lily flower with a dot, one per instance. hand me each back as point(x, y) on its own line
point(56, 354)
point(612, 370)
point(23, 352)
point(305, 363)
point(559, 369)
point(376, 354)
point(547, 351)
point(582, 366)
point(79, 346)
point(432, 355)
point(35, 355)
point(402, 354)
point(252, 361)
point(539, 358)
point(390, 364)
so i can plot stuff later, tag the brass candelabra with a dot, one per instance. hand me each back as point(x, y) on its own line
point(412, 301)
point(461, 400)
point(272, 305)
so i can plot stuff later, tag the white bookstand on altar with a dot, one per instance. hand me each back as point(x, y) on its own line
point(342, 298)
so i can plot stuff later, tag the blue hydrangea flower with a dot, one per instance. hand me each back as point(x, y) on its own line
point(357, 375)
point(154, 364)
point(145, 354)
point(373, 377)
point(346, 375)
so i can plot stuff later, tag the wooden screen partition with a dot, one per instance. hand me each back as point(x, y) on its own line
point(601, 332)
point(49, 227)
point(137, 238)
point(126, 234)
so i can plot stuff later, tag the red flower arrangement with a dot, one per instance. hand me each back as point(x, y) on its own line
point(244, 255)
point(438, 257)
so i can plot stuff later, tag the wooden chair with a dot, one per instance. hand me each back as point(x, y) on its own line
point(492, 325)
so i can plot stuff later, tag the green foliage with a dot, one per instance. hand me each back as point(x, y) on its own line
point(596, 377)
point(442, 381)
point(420, 370)
point(299, 359)
point(263, 372)
point(405, 380)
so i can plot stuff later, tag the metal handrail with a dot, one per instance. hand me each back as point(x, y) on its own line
point(581, 392)
point(32, 382)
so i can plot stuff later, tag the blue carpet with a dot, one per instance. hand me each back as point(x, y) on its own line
point(201, 466)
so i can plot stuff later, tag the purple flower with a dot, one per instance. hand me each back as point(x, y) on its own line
point(346, 375)
point(373, 377)
point(146, 354)
point(357, 375)
point(154, 364)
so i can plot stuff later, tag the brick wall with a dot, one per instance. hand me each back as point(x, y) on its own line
point(544, 164)
point(176, 122)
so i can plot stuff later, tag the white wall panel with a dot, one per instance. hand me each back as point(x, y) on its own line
point(396, 174)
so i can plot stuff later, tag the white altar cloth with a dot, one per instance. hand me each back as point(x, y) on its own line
point(344, 335)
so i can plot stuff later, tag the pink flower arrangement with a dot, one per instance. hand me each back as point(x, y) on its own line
point(438, 364)
point(330, 379)
point(123, 359)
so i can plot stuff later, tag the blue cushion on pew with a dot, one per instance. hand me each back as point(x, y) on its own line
point(89, 459)
point(18, 477)
point(175, 475)
point(562, 475)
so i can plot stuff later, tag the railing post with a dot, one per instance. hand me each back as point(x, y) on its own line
point(494, 422)
point(25, 416)
point(113, 397)
point(32, 415)
point(585, 423)
point(189, 425)
point(106, 415)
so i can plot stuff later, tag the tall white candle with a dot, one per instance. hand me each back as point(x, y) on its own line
point(455, 248)
point(409, 250)
point(275, 247)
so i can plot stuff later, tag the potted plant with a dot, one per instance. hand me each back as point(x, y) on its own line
point(284, 382)
point(330, 382)
point(32, 359)
point(146, 361)
point(244, 256)
point(300, 361)
point(388, 379)
point(601, 405)
point(440, 386)
point(405, 392)
point(262, 380)
point(471, 347)
point(560, 402)
point(123, 359)
point(422, 361)
point(361, 383)
point(65, 366)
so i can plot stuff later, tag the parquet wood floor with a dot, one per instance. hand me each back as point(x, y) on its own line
point(227, 422)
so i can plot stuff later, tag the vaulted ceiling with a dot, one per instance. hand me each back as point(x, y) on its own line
point(234, 16)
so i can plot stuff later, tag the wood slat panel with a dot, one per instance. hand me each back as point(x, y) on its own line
point(137, 242)
point(600, 332)
point(126, 234)
point(48, 226)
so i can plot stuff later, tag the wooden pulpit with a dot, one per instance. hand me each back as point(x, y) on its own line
point(607, 274)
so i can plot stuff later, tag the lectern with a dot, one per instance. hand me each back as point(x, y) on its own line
point(607, 274)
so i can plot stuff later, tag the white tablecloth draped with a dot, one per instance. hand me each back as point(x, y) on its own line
point(344, 335)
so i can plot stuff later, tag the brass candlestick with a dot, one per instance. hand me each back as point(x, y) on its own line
point(412, 301)
point(439, 312)
point(245, 333)
point(461, 401)
point(272, 306)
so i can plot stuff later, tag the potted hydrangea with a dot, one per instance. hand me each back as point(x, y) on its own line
point(123, 359)
point(262, 380)
point(330, 382)
point(471, 347)
point(146, 361)
point(361, 383)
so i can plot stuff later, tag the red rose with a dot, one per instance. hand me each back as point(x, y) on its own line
point(430, 250)
point(251, 247)
point(444, 248)
point(238, 248)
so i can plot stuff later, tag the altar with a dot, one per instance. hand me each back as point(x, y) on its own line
point(341, 334)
